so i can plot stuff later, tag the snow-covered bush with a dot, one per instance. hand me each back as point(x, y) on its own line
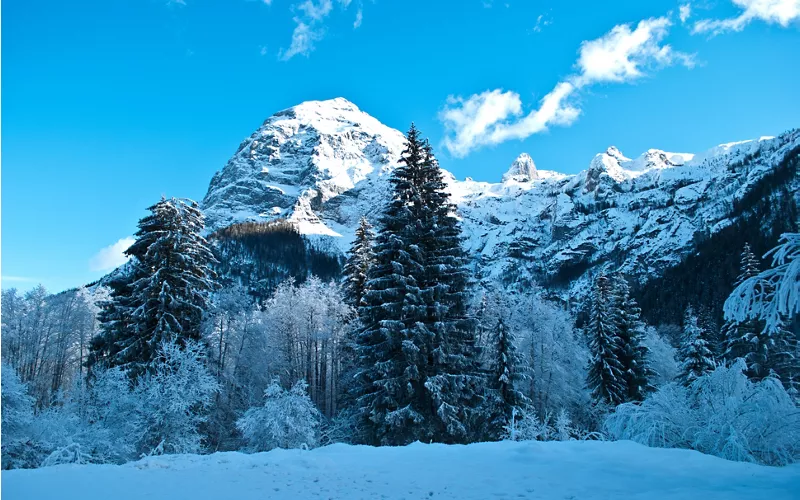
point(288, 419)
point(18, 447)
point(721, 413)
point(173, 399)
point(662, 357)
point(528, 426)
point(99, 422)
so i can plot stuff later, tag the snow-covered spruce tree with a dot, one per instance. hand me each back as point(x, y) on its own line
point(359, 259)
point(288, 420)
point(453, 380)
point(737, 336)
point(166, 301)
point(393, 360)
point(116, 320)
point(417, 372)
point(633, 354)
point(696, 357)
point(771, 300)
point(504, 398)
point(606, 377)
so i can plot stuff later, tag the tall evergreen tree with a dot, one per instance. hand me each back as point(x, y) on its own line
point(417, 377)
point(359, 259)
point(115, 318)
point(738, 336)
point(696, 356)
point(453, 380)
point(392, 357)
point(504, 375)
point(606, 377)
point(167, 298)
point(633, 354)
point(715, 334)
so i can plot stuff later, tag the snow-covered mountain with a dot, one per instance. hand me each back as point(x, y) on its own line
point(323, 164)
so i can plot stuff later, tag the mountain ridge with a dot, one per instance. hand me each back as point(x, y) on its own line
point(321, 165)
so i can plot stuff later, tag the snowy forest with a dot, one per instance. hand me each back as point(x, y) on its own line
point(177, 352)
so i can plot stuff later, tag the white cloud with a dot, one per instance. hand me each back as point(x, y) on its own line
point(781, 12)
point(303, 38)
point(623, 54)
point(310, 25)
point(111, 256)
point(494, 116)
point(685, 12)
point(359, 18)
point(316, 11)
point(18, 279)
point(472, 121)
point(541, 22)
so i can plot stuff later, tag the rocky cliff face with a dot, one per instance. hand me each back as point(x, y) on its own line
point(323, 164)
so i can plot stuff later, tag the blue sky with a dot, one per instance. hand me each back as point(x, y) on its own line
point(108, 104)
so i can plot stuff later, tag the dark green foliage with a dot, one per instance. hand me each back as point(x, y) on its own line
point(633, 355)
point(706, 277)
point(261, 255)
point(416, 346)
point(504, 375)
point(359, 260)
point(741, 339)
point(695, 355)
point(606, 377)
point(164, 296)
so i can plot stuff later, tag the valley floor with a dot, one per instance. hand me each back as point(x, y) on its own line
point(535, 470)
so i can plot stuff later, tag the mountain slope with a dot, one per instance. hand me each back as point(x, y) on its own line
point(323, 164)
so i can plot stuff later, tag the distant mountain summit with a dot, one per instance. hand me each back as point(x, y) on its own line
point(321, 165)
point(300, 159)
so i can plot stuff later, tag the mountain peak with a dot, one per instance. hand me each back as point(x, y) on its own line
point(522, 170)
point(614, 152)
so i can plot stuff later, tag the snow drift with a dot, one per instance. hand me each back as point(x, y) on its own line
point(546, 470)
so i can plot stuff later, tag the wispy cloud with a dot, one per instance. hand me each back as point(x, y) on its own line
point(781, 12)
point(542, 21)
point(304, 37)
point(18, 279)
point(623, 54)
point(112, 256)
point(359, 18)
point(316, 11)
point(685, 12)
point(310, 24)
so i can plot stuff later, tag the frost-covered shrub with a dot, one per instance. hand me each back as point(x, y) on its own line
point(173, 399)
point(528, 426)
point(288, 419)
point(19, 449)
point(722, 413)
point(662, 357)
point(98, 422)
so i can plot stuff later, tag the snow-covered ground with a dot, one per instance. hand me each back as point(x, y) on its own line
point(551, 470)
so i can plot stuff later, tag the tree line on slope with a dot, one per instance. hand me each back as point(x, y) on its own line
point(405, 349)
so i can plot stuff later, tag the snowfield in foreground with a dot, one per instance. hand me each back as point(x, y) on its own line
point(552, 470)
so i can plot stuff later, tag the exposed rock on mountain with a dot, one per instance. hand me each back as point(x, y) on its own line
point(321, 165)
